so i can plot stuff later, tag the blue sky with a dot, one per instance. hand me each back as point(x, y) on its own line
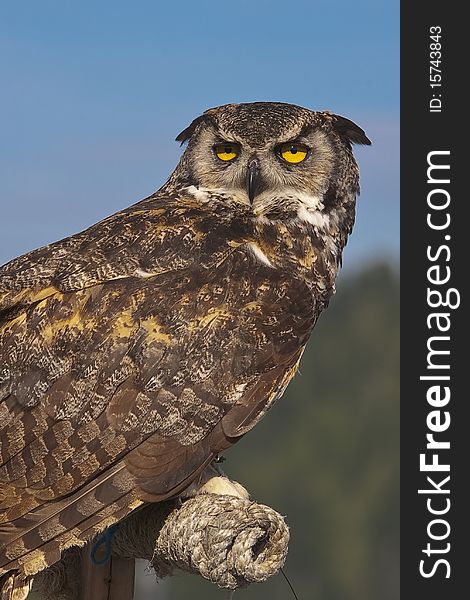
point(94, 93)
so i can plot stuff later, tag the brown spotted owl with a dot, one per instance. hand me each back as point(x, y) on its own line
point(134, 353)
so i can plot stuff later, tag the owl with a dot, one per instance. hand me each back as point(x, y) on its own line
point(134, 353)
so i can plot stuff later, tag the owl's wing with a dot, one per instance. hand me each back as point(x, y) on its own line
point(131, 355)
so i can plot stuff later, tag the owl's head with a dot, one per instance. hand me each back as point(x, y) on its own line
point(264, 152)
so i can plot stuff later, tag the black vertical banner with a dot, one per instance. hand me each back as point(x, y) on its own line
point(435, 268)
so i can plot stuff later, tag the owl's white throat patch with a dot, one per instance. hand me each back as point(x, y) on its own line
point(200, 194)
point(317, 218)
point(308, 201)
point(311, 210)
point(203, 194)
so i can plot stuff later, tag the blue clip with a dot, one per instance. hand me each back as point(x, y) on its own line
point(104, 539)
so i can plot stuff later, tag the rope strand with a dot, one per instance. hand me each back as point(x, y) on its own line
point(228, 540)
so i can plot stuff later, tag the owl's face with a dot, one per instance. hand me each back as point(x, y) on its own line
point(262, 153)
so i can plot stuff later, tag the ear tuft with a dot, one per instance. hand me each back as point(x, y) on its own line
point(349, 130)
point(188, 132)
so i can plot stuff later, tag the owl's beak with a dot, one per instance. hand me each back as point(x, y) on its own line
point(253, 179)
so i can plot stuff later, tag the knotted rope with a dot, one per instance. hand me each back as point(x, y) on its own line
point(230, 541)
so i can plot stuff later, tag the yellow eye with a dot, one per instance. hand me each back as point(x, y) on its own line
point(227, 151)
point(293, 153)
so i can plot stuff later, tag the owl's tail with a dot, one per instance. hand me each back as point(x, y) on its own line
point(35, 541)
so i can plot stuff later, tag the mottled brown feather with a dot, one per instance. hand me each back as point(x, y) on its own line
point(133, 353)
point(94, 368)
